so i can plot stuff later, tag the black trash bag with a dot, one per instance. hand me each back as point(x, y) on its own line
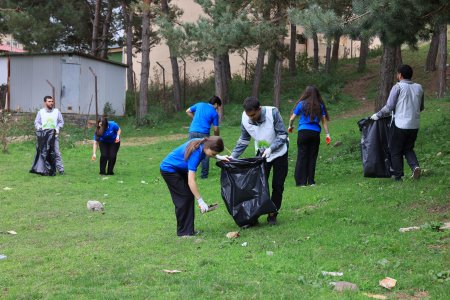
point(375, 153)
point(245, 190)
point(44, 160)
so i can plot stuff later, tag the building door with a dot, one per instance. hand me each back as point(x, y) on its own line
point(70, 87)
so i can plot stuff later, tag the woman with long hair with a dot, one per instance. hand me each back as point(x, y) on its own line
point(107, 138)
point(178, 170)
point(311, 109)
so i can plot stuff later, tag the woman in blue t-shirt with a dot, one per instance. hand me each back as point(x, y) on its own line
point(178, 170)
point(107, 137)
point(311, 109)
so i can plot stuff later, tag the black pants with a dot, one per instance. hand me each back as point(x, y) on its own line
point(108, 156)
point(308, 142)
point(183, 199)
point(280, 170)
point(402, 144)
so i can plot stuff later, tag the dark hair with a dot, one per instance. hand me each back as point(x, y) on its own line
point(313, 101)
point(251, 103)
point(406, 71)
point(214, 143)
point(101, 129)
point(214, 100)
point(47, 97)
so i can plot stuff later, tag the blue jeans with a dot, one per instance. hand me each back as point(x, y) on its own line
point(205, 161)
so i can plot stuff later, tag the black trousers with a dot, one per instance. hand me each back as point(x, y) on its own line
point(308, 142)
point(108, 156)
point(183, 199)
point(280, 170)
point(402, 144)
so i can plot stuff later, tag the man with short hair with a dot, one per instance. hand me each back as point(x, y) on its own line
point(265, 125)
point(51, 118)
point(203, 116)
point(405, 101)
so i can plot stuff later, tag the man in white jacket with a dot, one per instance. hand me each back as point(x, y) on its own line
point(51, 118)
point(265, 125)
point(405, 102)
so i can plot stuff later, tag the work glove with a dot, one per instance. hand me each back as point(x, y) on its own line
point(290, 129)
point(93, 157)
point(267, 153)
point(222, 157)
point(374, 117)
point(328, 139)
point(117, 139)
point(202, 205)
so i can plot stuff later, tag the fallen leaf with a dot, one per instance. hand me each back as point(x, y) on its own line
point(341, 286)
point(446, 226)
point(233, 234)
point(325, 273)
point(12, 232)
point(406, 229)
point(388, 282)
point(171, 271)
point(375, 296)
point(7, 188)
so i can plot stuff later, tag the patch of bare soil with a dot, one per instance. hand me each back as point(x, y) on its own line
point(439, 209)
point(358, 90)
point(141, 141)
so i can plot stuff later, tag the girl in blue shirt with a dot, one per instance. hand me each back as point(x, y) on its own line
point(311, 109)
point(107, 137)
point(178, 170)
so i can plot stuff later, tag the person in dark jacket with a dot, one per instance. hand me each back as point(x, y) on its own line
point(107, 137)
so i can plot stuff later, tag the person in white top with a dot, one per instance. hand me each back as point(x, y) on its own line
point(405, 102)
point(51, 118)
point(265, 125)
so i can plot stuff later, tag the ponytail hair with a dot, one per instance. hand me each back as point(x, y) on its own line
point(214, 143)
point(101, 129)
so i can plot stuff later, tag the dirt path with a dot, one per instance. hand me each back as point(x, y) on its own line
point(358, 90)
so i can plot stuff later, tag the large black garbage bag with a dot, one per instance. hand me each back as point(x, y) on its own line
point(245, 190)
point(44, 161)
point(375, 147)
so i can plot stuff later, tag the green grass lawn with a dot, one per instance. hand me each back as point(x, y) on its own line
point(346, 223)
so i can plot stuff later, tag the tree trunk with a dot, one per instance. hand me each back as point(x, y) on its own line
point(364, 51)
point(398, 57)
point(94, 45)
point(258, 71)
point(128, 18)
point(316, 52)
point(145, 61)
point(442, 60)
point(433, 51)
point(176, 86)
point(227, 67)
point(292, 50)
point(225, 81)
point(386, 78)
point(277, 82)
point(328, 58)
point(221, 82)
point(335, 51)
point(105, 31)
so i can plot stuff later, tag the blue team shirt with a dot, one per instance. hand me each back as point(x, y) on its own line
point(305, 122)
point(174, 162)
point(110, 134)
point(204, 116)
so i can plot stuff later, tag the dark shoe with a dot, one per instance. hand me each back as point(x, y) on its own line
point(416, 173)
point(272, 219)
point(61, 172)
point(110, 173)
point(102, 173)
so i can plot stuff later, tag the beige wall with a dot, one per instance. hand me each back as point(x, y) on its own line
point(202, 69)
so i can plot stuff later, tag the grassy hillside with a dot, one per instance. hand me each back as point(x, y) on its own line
point(346, 223)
